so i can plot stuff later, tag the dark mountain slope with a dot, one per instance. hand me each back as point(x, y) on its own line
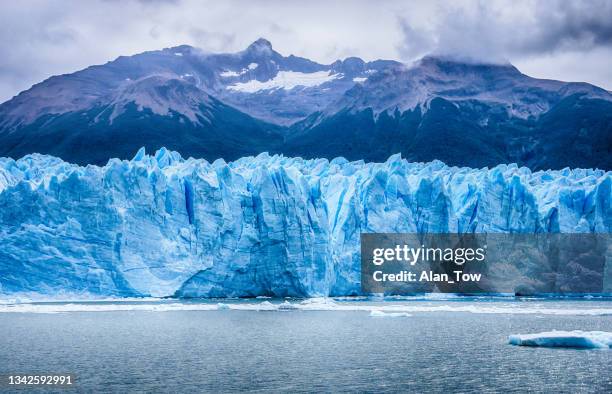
point(85, 137)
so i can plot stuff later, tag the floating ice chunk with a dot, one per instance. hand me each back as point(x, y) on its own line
point(266, 306)
point(287, 306)
point(573, 339)
point(222, 307)
point(319, 304)
point(377, 313)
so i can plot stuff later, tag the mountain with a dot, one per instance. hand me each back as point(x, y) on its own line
point(463, 114)
point(275, 226)
point(232, 105)
point(153, 112)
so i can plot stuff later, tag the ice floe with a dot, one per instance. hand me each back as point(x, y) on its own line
point(570, 339)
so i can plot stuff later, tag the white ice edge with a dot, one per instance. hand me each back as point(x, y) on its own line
point(314, 304)
point(379, 313)
point(569, 339)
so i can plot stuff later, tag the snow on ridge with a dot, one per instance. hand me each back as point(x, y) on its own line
point(231, 73)
point(286, 80)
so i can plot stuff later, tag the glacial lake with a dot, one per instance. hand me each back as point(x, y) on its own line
point(447, 345)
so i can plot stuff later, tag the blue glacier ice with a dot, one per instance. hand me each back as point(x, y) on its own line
point(572, 339)
point(163, 225)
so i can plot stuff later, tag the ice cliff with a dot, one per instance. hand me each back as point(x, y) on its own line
point(268, 225)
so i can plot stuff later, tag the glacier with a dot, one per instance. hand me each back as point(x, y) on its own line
point(161, 225)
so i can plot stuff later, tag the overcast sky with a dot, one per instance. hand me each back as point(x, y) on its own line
point(566, 40)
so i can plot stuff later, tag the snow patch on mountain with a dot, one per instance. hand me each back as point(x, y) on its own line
point(286, 80)
point(230, 74)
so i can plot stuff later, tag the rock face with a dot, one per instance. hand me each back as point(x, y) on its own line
point(267, 225)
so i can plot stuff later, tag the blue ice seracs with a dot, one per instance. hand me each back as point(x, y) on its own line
point(268, 225)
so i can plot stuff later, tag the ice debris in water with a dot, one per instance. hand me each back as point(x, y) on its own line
point(163, 225)
point(319, 304)
point(378, 313)
point(571, 339)
point(287, 306)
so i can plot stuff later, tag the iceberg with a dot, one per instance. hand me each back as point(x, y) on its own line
point(571, 339)
point(161, 225)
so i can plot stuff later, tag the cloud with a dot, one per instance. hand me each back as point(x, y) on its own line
point(215, 41)
point(40, 38)
point(502, 30)
point(417, 42)
point(574, 25)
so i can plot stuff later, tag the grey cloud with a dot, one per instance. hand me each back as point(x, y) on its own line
point(574, 25)
point(416, 42)
point(40, 38)
point(212, 41)
point(56, 35)
point(492, 30)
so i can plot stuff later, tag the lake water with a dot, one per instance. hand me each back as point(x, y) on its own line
point(170, 346)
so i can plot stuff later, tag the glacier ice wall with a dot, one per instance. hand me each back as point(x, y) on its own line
point(269, 225)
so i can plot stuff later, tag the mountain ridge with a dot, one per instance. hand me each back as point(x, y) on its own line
point(186, 98)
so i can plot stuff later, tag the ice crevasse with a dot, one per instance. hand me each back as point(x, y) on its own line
point(268, 225)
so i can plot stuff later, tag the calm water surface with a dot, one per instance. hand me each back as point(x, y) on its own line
point(304, 351)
